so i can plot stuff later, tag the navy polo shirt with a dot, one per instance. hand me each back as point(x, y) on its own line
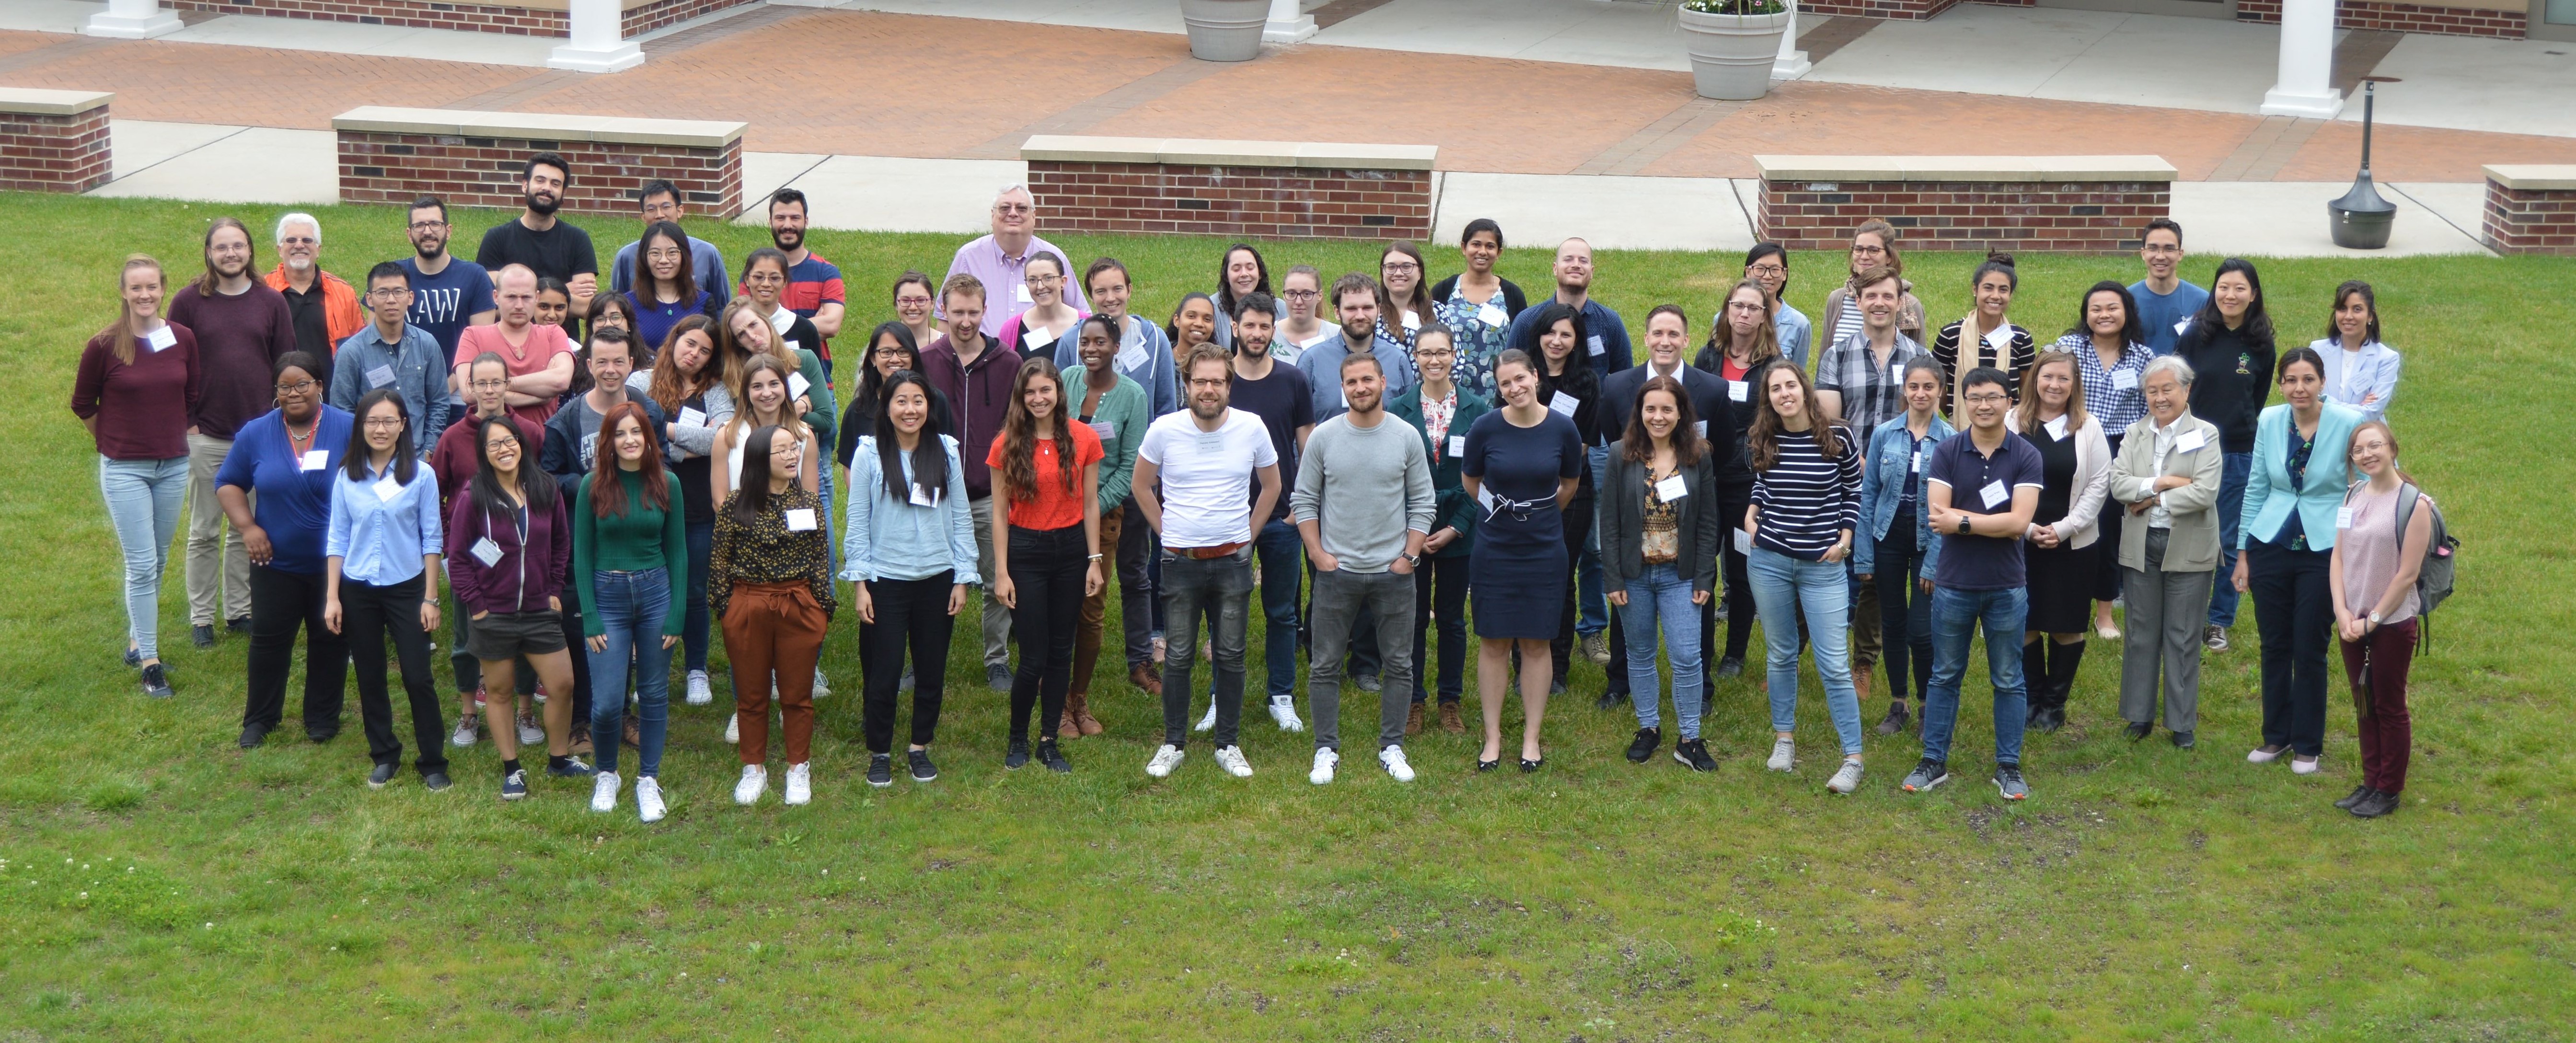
point(1982, 562)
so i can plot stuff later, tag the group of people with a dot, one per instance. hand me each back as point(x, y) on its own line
point(638, 470)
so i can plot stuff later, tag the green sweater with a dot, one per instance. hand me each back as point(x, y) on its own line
point(1123, 409)
point(639, 539)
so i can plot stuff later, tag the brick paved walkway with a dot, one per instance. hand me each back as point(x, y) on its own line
point(862, 83)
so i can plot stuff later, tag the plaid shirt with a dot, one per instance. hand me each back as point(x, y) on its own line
point(1872, 392)
point(2114, 407)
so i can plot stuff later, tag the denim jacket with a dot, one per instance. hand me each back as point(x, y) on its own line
point(1882, 487)
point(890, 538)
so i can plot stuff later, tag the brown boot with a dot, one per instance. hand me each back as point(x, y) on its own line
point(1078, 707)
point(1145, 679)
point(1413, 720)
point(1860, 685)
point(1450, 721)
point(1068, 728)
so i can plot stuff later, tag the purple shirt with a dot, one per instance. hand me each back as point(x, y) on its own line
point(1005, 279)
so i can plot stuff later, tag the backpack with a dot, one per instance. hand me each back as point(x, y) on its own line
point(2434, 579)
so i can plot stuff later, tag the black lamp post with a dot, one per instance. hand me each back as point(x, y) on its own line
point(2361, 219)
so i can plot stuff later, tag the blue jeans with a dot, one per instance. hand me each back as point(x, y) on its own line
point(2236, 469)
point(1283, 572)
point(143, 498)
point(693, 629)
point(1662, 595)
point(1592, 605)
point(631, 606)
point(1956, 615)
point(1783, 587)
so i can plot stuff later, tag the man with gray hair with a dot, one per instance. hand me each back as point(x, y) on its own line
point(324, 305)
point(1001, 260)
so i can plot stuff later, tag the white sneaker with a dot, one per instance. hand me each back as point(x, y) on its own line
point(1784, 755)
point(603, 792)
point(530, 734)
point(1847, 779)
point(1283, 709)
point(733, 729)
point(1231, 759)
point(699, 693)
point(1208, 723)
point(1165, 759)
point(800, 783)
point(2265, 754)
point(754, 779)
point(822, 685)
point(466, 733)
point(648, 799)
point(1392, 759)
point(1325, 759)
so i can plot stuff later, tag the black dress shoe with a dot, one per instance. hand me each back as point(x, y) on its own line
point(384, 773)
point(1528, 766)
point(2375, 805)
point(238, 625)
point(202, 635)
point(2184, 741)
point(2048, 719)
point(1731, 666)
point(1610, 701)
point(2138, 730)
point(435, 781)
point(321, 736)
point(254, 734)
point(1644, 746)
point(2354, 797)
point(1483, 765)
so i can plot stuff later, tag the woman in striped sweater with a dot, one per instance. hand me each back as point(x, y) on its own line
point(1806, 502)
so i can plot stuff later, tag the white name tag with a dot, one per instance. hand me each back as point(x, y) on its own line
point(1700, 428)
point(1896, 373)
point(1457, 446)
point(1564, 404)
point(797, 385)
point(2124, 380)
point(1021, 293)
point(1743, 542)
point(387, 488)
point(2179, 324)
point(2189, 441)
point(2343, 517)
point(921, 498)
point(161, 339)
point(1739, 390)
point(1994, 493)
point(379, 376)
point(800, 519)
point(1671, 489)
point(1485, 499)
point(1999, 338)
point(486, 551)
point(1412, 321)
point(1106, 429)
point(2056, 428)
point(1594, 343)
point(691, 417)
point(315, 459)
point(1918, 461)
point(1035, 341)
point(1493, 315)
point(1130, 356)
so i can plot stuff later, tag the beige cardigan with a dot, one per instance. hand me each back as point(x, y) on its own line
point(2192, 544)
point(2083, 519)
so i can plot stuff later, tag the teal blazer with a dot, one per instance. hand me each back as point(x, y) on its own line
point(1453, 507)
point(2268, 497)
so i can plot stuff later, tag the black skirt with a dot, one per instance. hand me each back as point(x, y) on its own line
point(2063, 581)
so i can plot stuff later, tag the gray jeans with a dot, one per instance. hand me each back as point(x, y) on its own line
point(2165, 613)
point(996, 617)
point(1221, 589)
point(1338, 600)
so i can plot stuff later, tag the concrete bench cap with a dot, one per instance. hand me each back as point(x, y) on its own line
point(2533, 177)
point(1964, 168)
point(33, 101)
point(542, 125)
point(1072, 148)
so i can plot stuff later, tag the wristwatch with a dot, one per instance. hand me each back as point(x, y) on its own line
point(2374, 619)
point(1963, 525)
point(1414, 560)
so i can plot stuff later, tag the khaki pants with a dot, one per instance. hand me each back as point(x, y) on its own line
point(997, 619)
point(1867, 628)
point(218, 563)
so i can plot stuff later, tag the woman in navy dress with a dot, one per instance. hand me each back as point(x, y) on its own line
point(1522, 464)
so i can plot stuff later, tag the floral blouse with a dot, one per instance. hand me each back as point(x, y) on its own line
point(1663, 525)
point(767, 551)
point(1436, 414)
point(1479, 341)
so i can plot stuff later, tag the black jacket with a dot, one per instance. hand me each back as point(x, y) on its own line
point(1621, 507)
point(1708, 400)
point(1513, 299)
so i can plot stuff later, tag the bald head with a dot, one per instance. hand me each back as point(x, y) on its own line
point(514, 292)
point(1573, 269)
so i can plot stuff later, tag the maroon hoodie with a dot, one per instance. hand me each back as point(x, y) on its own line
point(527, 572)
point(981, 396)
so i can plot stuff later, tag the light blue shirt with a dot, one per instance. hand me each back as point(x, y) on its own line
point(380, 539)
point(1795, 334)
point(893, 538)
point(2352, 376)
point(1322, 365)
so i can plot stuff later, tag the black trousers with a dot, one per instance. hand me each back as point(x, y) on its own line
point(580, 649)
point(368, 613)
point(1578, 528)
point(1440, 589)
point(1904, 609)
point(1733, 502)
point(280, 603)
point(2106, 579)
point(2294, 613)
point(910, 612)
point(1047, 567)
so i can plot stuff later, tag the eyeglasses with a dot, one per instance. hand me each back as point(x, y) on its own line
point(388, 423)
point(300, 240)
point(489, 385)
point(1045, 280)
point(1744, 306)
point(1303, 295)
point(297, 388)
point(893, 354)
point(1768, 269)
point(423, 226)
point(1406, 267)
point(665, 254)
point(1985, 400)
point(1868, 251)
point(390, 293)
point(1012, 208)
point(912, 301)
point(2161, 249)
point(1197, 382)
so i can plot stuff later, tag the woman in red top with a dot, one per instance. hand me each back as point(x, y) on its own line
point(138, 384)
point(1045, 567)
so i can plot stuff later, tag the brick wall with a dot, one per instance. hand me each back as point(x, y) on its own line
point(2526, 221)
point(1902, 10)
point(396, 168)
point(1966, 215)
point(48, 153)
point(1264, 202)
point(2404, 18)
point(434, 14)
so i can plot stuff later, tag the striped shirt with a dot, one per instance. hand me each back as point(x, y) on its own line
point(1806, 500)
point(1873, 392)
point(2115, 406)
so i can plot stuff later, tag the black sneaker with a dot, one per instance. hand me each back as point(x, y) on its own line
point(1017, 755)
point(1053, 758)
point(922, 769)
point(1644, 746)
point(2354, 797)
point(435, 781)
point(569, 768)
point(1555, 688)
point(156, 681)
point(1731, 666)
point(881, 770)
point(1927, 774)
point(1895, 721)
point(997, 677)
point(238, 625)
point(384, 773)
point(2184, 741)
point(202, 635)
point(1610, 701)
point(2008, 781)
point(253, 734)
point(514, 785)
point(1693, 753)
point(133, 658)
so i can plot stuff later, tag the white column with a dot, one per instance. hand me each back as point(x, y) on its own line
point(1792, 62)
point(1288, 24)
point(597, 44)
point(2307, 63)
point(131, 20)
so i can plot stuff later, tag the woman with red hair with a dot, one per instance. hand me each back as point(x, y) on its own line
point(629, 543)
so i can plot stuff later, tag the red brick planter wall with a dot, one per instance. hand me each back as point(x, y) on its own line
point(46, 153)
point(2080, 217)
point(2525, 221)
point(1902, 10)
point(397, 168)
point(1267, 202)
point(433, 14)
point(2406, 18)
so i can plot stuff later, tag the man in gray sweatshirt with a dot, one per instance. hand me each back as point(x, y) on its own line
point(1364, 505)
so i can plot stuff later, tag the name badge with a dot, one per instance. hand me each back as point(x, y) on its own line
point(1457, 446)
point(1130, 356)
point(1671, 489)
point(797, 385)
point(1896, 373)
point(1594, 343)
point(1106, 429)
point(800, 519)
point(2179, 324)
point(2189, 441)
point(921, 498)
point(2124, 380)
point(1994, 493)
point(1739, 390)
point(1743, 542)
point(486, 551)
point(691, 417)
point(2056, 428)
point(379, 376)
point(1493, 315)
point(2343, 517)
point(1020, 293)
point(1999, 338)
point(315, 459)
point(1918, 461)
point(1485, 499)
point(387, 488)
point(161, 338)
point(1563, 404)
point(1700, 428)
point(1035, 341)
point(1412, 322)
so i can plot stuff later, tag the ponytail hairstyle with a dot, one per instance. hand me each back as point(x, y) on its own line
point(1020, 433)
point(1996, 261)
point(929, 456)
point(406, 461)
point(607, 494)
point(123, 327)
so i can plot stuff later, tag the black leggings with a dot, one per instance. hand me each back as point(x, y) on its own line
point(1047, 569)
point(2106, 572)
point(1904, 610)
point(1578, 528)
point(1733, 503)
point(910, 612)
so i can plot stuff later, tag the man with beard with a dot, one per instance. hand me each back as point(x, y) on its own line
point(552, 248)
point(324, 305)
point(242, 328)
point(1605, 342)
point(447, 294)
point(813, 284)
point(1001, 259)
point(1354, 302)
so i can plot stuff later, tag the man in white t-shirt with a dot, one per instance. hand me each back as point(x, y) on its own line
point(1197, 495)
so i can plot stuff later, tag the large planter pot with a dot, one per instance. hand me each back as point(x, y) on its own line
point(1225, 30)
point(1731, 54)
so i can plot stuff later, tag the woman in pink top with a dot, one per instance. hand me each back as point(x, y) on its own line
point(2373, 578)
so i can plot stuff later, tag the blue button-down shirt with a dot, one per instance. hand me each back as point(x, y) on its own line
point(1795, 332)
point(893, 538)
point(413, 365)
point(380, 539)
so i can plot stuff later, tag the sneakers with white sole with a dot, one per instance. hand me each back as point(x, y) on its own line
point(1231, 759)
point(1165, 759)
point(700, 694)
point(1846, 779)
point(1784, 755)
point(755, 779)
point(1927, 773)
point(648, 799)
point(1208, 723)
point(1392, 759)
point(466, 733)
point(530, 733)
point(822, 684)
point(733, 729)
point(1325, 760)
point(800, 783)
point(603, 792)
point(1283, 709)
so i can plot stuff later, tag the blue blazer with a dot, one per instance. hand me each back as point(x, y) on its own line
point(1883, 477)
point(2268, 496)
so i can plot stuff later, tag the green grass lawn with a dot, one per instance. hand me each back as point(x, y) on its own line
point(157, 883)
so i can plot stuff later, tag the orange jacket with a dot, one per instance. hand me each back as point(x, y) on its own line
point(340, 312)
